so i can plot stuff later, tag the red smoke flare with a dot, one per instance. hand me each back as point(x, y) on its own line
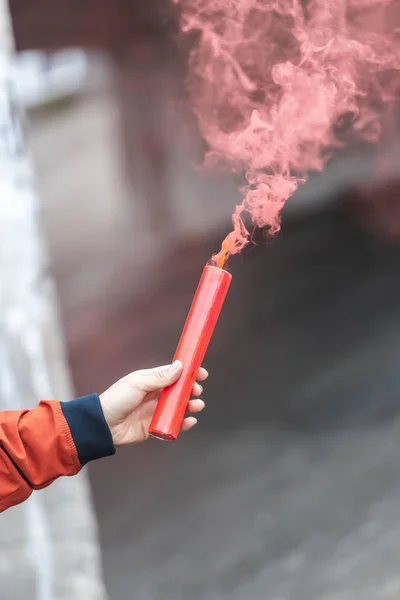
point(274, 82)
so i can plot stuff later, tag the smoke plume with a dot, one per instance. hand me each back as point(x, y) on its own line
point(278, 84)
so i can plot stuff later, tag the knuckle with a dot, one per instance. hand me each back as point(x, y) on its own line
point(160, 375)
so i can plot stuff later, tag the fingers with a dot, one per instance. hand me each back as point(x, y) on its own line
point(202, 374)
point(188, 423)
point(151, 380)
point(197, 389)
point(196, 406)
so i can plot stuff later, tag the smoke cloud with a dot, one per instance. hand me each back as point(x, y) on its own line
point(278, 84)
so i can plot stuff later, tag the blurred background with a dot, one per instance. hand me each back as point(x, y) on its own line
point(289, 489)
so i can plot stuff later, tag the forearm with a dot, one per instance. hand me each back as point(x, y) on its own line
point(52, 440)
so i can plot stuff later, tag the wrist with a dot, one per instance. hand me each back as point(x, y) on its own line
point(112, 422)
point(107, 416)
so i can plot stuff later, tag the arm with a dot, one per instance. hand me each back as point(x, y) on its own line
point(58, 438)
point(54, 439)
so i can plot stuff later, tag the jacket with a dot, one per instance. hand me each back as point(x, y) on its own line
point(54, 439)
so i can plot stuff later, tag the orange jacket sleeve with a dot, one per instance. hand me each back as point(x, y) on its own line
point(52, 440)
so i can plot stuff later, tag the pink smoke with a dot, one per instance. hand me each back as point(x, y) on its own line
point(271, 82)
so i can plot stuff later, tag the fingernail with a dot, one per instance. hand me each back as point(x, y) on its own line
point(175, 365)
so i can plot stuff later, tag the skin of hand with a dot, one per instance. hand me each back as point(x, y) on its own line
point(129, 404)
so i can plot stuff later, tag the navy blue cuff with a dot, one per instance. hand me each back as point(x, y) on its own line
point(89, 429)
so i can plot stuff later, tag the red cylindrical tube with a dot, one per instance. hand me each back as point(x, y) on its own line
point(196, 335)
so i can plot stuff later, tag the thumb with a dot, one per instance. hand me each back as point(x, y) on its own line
point(152, 380)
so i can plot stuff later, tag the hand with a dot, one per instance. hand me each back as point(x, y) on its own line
point(129, 404)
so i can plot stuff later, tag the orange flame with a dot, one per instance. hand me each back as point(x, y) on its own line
point(222, 256)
